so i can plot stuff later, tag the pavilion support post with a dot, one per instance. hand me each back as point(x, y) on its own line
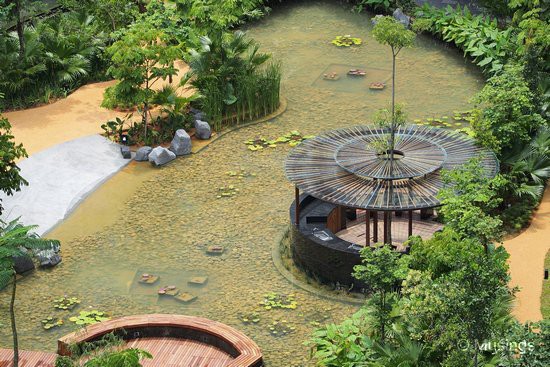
point(410, 223)
point(385, 227)
point(367, 228)
point(375, 227)
point(297, 206)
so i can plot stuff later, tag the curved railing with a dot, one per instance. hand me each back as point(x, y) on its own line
point(243, 349)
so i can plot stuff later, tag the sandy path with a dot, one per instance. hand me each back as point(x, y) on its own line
point(78, 115)
point(527, 253)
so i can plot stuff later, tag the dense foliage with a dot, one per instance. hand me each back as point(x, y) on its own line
point(452, 294)
point(235, 80)
point(470, 200)
point(59, 54)
point(16, 241)
point(10, 177)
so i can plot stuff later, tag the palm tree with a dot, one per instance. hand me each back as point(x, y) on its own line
point(17, 240)
point(401, 351)
point(529, 165)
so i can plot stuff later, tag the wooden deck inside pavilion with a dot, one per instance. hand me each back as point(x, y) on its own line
point(356, 229)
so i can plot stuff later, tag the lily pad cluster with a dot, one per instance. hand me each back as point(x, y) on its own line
point(85, 318)
point(293, 138)
point(274, 300)
point(280, 328)
point(227, 191)
point(240, 174)
point(346, 41)
point(66, 303)
point(462, 115)
point(51, 322)
point(249, 318)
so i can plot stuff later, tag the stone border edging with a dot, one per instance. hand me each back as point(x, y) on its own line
point(279, 111)
point(276, 258)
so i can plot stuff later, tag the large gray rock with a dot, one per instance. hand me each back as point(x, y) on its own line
point(402, 17)
point(160, 156)
point(48, 258)
point(142, 154)
point(202, 130)
point(181, 143)
point(23, 264)
point(125, 151)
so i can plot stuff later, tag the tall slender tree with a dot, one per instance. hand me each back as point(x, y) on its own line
point(390, 32)
point(16, 241)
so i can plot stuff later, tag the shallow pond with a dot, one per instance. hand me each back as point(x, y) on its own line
point(161, 221)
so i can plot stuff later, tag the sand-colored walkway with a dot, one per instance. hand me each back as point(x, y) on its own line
point(527, 253)
point(78, 115)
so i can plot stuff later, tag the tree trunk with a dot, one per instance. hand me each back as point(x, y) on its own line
point(13, 324)
point(383, 315)
point(20, 30)
point(392, 144)
point(144, 119)
point(141, 6)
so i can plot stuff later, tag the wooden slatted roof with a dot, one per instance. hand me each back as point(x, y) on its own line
point(343, 166)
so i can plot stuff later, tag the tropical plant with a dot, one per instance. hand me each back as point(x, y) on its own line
point(232, 76)
point(10, 177)
point(527, 166)
point(207, 15)
point(343, 345)
point(469, 201)
point(385, 5)
point(507, 114)
point(16, 241)
point(382, 270)
point(456, 295)
point(477, 36)
point(105, 352)
point(140, 59)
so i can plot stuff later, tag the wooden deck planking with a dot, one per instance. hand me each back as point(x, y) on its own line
point(27, 358)
point(172, 352)
point(248, 353)
point(355, 232)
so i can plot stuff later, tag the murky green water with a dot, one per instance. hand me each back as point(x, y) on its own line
point(164, 226)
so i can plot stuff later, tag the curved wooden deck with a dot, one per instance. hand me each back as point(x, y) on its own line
point(176, 340)
point(27, 358)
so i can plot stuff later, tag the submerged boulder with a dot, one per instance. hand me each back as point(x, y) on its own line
point(202, 130)
point(142, 154)
point(160, 156)
point(181, 143)
point(402, 17)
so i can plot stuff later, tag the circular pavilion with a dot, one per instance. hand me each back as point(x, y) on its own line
point(352, 192)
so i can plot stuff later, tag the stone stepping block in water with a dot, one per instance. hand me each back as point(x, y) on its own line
point(199, 280)
point(185, 297)
point(215, 250)
point(148, 279)
point(168, 291)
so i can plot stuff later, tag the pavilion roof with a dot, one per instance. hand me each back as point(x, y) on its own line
point(345, 166)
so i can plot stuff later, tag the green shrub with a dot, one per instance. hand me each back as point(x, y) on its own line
point(477, 36)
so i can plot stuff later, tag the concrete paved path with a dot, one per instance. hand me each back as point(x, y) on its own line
point(61, 177)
